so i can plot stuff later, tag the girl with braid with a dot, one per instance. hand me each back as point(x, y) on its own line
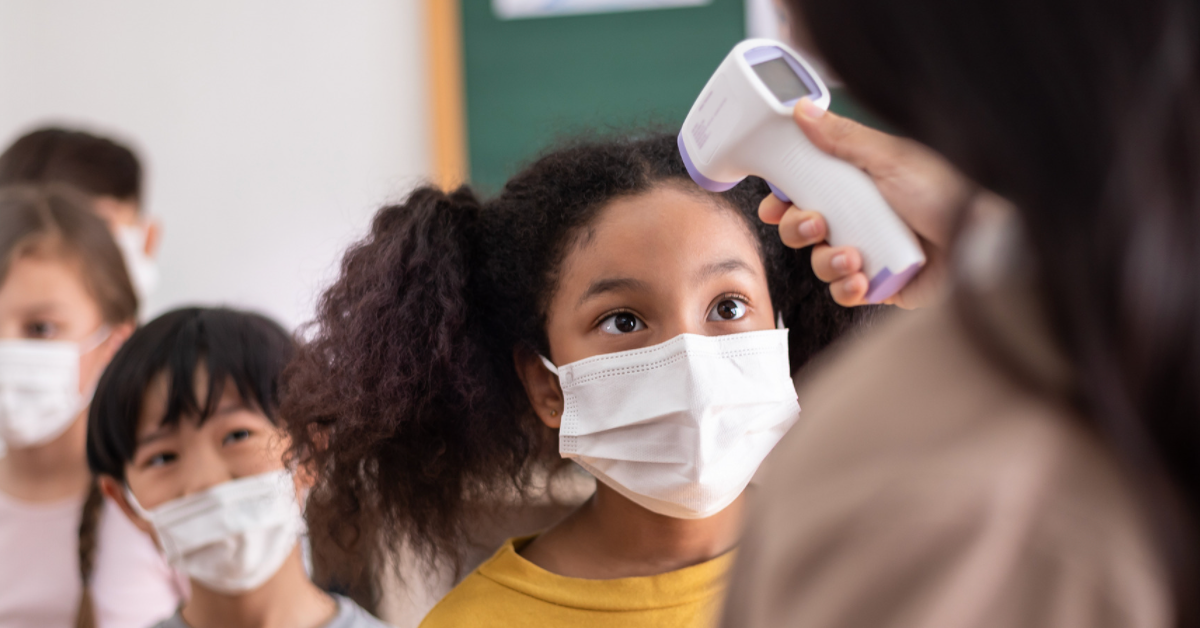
point(601, 309)
point(66, 305)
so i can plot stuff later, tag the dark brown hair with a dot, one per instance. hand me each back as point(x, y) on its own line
point(57, 221)
point(96, 165)
point(1087, 116)
point(406, 399)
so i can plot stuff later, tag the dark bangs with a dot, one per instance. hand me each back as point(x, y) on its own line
point(248, 349)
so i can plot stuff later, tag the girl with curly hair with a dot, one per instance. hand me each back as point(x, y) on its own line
point(603, 309)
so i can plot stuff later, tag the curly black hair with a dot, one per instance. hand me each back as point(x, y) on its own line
point(405, 399)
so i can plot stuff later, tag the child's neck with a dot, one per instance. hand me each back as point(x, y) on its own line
point(50, 472)
point(609, 536)
point(288, 600)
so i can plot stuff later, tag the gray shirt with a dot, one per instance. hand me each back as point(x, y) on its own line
point(349, 615)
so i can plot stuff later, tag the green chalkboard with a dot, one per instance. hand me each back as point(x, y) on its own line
point(532, 82)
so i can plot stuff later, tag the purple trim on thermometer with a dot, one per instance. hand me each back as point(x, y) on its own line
point(700, 179)
point(885, 284)
point(761, 54)
point(778, 193)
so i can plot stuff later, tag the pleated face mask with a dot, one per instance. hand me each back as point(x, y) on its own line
point(679, 428)
point(234, 536)
point(39, 388)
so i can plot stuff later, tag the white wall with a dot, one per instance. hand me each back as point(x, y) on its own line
point(271, 129)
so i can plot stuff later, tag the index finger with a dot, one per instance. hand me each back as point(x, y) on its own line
point(771, 209)
point(844, 138)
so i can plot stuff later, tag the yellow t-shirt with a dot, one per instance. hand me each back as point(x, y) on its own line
point(508, 590)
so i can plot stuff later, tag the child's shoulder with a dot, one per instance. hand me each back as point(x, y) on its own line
point(487, 595)
point(477, 600)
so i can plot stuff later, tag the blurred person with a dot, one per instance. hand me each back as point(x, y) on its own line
point(601, 308)
point(66, 305)
point(184, 434)
point(105, 169)
point(1021, 452)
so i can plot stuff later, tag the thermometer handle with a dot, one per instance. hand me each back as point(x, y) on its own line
point(856, 213)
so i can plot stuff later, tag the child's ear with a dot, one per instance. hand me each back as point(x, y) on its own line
point(305, 477)
point(117, 337)
point(115, 491)
point(541, 386)
point(153, 237)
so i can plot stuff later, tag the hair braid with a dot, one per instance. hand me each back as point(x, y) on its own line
point(85, 615)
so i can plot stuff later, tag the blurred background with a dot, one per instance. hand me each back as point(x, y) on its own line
point(271, 130)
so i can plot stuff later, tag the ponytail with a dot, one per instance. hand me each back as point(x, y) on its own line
point(85, 615)
point(395, 401)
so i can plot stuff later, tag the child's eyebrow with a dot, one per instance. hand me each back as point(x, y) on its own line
point(613, 284)
point(723, 267)
point(162, 432)
point(44, 308)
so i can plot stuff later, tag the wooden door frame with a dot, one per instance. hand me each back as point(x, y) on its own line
point(447, 104)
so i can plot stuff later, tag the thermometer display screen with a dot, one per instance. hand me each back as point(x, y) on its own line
point(779, 77)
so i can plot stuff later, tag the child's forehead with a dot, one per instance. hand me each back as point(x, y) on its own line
point(664, 231)
point(668, 214)
point(156, 400)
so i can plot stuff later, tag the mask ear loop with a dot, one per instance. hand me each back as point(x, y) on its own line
point(553, 369)
point(87, 345)
point(779, 321)
point(136, 506)
point(95, 339)
point(163, 540)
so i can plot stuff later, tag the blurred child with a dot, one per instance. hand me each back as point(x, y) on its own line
point(107, 171)
point(185, 436)
point(66, 306)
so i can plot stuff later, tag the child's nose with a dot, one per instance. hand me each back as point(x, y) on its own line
point(682, 322)
point(205, 470)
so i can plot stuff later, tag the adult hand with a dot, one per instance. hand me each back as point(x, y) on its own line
point(923, 188)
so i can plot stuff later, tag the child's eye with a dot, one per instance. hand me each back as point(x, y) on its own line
point(236, 436)
point(727, 310)
point(160, 459)
point(621, 323)
point(41, 330)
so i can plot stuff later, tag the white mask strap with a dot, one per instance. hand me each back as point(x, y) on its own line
point(779, 320)
point(95, 339)
point(549, 365)
point(133, 503)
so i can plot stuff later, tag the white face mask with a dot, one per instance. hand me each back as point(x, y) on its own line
point(234, 536)
point(680, 427)
point(143, 270)
point(39, 388)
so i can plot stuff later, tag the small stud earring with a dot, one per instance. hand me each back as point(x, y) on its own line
point(554, 413)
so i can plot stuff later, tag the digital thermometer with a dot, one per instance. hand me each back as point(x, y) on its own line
point(742, 125)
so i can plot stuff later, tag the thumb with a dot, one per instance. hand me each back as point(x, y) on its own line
point(842, 137)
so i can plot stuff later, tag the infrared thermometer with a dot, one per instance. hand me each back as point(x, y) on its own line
point(742, 125)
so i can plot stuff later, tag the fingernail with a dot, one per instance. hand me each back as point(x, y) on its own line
point(839, 262)
point(808, 228)
point(850, 286)
point(810, 109)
